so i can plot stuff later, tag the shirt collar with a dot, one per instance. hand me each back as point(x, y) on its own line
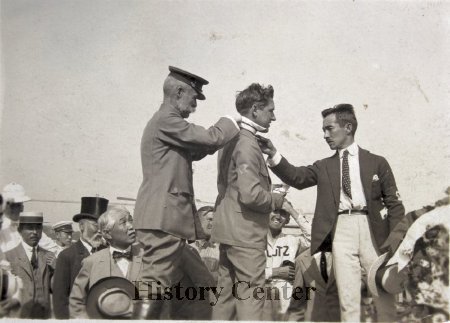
point(112, 249)
point(251, 126)
point(86, 245)
point(27, 247)
point(202, 244)
point(353, 150)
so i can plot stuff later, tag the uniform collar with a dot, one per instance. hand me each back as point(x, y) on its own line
point(352, 150)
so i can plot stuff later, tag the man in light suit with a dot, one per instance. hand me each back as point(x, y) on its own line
point(68, 263)
point(358, 207)
point(243, 206)
point(165, 205)
point(121, 258)
point(34, 266)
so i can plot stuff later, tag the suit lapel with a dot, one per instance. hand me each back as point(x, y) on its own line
point(42, 261)
point(366, 171)
point(83, 252)
point(314, 272)
point(23, 259)
point(334, 173)
point(135, 265)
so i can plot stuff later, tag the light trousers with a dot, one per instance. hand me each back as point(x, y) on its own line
point(354, 251)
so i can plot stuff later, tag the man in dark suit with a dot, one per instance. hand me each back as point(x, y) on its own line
point(243, 206)
point(317, 297)
point(69, 260)
point(165, 207)
point(121, 258)
point(34, 266)
point(358, 207)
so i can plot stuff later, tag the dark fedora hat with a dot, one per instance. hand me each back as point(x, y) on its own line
point(91, 208)
point(111, 298)
point(196, 82)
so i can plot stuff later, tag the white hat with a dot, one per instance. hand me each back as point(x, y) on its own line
point(65, 226)
point(386, 278)
point(14, 193)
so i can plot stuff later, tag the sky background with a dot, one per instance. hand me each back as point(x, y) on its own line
point(80, 79)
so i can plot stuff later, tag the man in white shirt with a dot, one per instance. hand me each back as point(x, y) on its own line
point(14, 196)
point(281, 251)
point(354, 190)
point(119, 259)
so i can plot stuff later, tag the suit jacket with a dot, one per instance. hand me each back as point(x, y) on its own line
point(245, 200)
point(95, 267)
point(324, 301)
point(165, 200)
point(197, 275)
point(21, 267)
point(380, 191)
point(68, 265)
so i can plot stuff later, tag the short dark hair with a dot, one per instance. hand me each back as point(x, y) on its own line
point(345, 113)
point(254, 94)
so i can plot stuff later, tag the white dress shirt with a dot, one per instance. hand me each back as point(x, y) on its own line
point(329, 259)
point(358, 200)
point(28, 250)
point(123, 263)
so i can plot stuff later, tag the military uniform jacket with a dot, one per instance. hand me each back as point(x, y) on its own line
point(379, 187)
point(169, 144)
point(21, 267)
point(245, 200)
point(68, 264)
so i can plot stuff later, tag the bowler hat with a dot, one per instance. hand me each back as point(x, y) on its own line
point(91, 208)
point(386, 278)
point(196, 82)
point(111, 298)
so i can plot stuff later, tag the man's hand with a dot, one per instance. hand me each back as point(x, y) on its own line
point(51, 260)
point(266, 146)
point(285, 272)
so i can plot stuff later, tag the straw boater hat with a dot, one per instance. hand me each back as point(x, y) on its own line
point(111, 298)
point(31, 217)
point(386, 278)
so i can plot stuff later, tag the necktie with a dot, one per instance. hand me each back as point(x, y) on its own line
point(34, 261)
point(117, 255)
point(346, 184)
point(323, 266)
